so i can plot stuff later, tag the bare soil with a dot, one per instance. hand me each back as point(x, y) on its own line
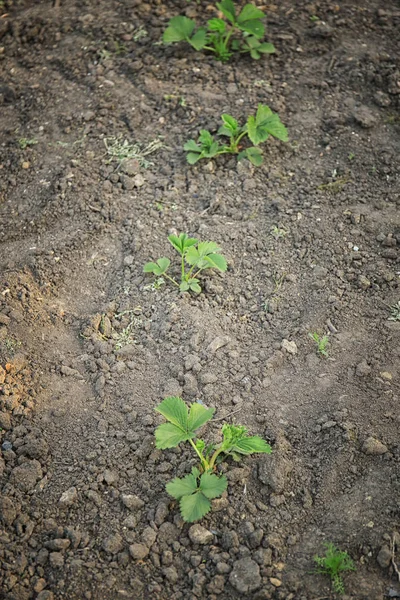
point(88, 347)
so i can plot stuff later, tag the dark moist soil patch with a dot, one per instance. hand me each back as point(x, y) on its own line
point(88, 346)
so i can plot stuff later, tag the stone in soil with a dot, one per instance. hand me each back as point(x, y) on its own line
point(200, 535)
point(384, 557)
point(245, 576)
point(374, 447)
point(138, 551)
point(25, 476)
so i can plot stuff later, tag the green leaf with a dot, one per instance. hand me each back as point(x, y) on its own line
point(149, 267)
point(200, 445)
point(212, 150)
point(230, 126)
point(184, 486)
point(217, 261)
point(205, 138)
point(193, 158)
point(249, 13)
point(184, 286)
point(158, 268)
point(228, 9)
point(199, 39)
point(217, 25)
point(252, 444)
point(194, 286)
point(254, 155)
point(182, 242)
point(169, 436)
point(255, 28)
point(266, 48)
point(179, 29)
point(199, 415)
point(191, 146)
point(175, 411)
point(212, 486)
point(194, 507)
point(255, 54)
point(265, 123)
point(275, 127)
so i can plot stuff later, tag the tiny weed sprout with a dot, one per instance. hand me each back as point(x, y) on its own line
point(241, 32)
point(25, 143)
point(333, 564)
point(322, 343)
point(194, 491)
point(395, 312)
point(199, 256)
point(258, 128)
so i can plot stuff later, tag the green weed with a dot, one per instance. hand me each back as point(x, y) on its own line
point(258, 128)
point(333, 564)
point(11, 345)
point(334, 187)
point(395, 312)
point(199, 256)
point(278, 232)
point(194, 491)
point(25, 142)
point(121, 150)
point(322, 343)
point(237, 33)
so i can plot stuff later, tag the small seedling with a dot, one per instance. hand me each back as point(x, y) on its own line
point(25, 142)
point(194, 491)
point(351, 156)
point(121, 150)
point(198, 255)
point(258, 128)
point(395, 312)
point(238, 33)
point(333, 564)
point(322, 343)
point(314, 18)
point(278, 232)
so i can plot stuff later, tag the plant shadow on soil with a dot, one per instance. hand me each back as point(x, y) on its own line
point(88, 347)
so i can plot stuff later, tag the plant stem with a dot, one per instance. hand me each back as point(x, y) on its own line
point(214, 457)
point(171, 279)
point(203, 461)
point(183, 268)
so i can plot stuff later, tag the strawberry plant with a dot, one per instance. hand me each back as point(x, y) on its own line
point(240, 32)
point(258, 128)
point(199, 256)
point(195, 490)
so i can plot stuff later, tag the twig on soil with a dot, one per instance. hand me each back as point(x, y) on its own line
point(229, 414)
point(395, 567)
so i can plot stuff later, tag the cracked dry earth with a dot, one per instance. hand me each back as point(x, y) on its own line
point(88, 346)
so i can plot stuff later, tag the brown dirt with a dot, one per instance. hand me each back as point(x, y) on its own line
point(78, 389)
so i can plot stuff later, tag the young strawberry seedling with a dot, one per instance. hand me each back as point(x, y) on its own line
point(258, 128)
point(198, 255)
point(322, 343)
point(194, 491)
point(219, 35)
point(333, 564)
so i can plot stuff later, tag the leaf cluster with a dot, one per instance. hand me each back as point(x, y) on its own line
point(194, 491)
point(322, 343)
point(258, 128)
point(240, 32)
point(199, 256)
point(333, 564)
